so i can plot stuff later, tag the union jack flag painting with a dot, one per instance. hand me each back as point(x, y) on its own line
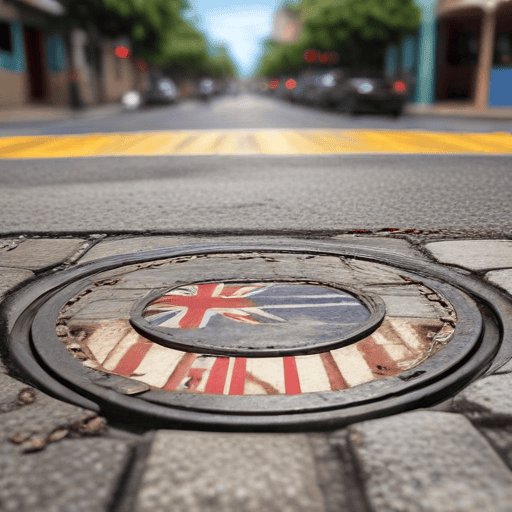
point(396, 346)
point(215, 304)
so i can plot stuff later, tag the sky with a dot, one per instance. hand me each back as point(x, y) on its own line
point(240, 27)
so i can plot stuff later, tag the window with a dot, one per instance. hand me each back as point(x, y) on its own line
point(5, 37)
point(503, 50)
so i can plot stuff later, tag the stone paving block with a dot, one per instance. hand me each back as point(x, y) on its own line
point(10, 277)
point(110, 248)
point(395, 245)
point(10, 390)
point(35, 414)
point(487, 397)
point(501, 278)
point(430, 462)
point(202, 472)
point(37, 254)
point(501, 439)
point(473, 254)
point(74, 475)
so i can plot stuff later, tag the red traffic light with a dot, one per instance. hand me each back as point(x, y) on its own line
point(324, 58)
point(291, 84)
point(399, 86)
point(310, 56)
point(122, 52)
point(273, 84)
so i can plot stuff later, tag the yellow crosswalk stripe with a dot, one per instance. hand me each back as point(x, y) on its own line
point(255, 142)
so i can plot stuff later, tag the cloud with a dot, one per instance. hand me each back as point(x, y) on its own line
point(241, 28)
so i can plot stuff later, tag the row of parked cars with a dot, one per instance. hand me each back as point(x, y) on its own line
point(163, 91)
point(336, 89)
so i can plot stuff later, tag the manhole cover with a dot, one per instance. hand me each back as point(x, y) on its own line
point(276, 337)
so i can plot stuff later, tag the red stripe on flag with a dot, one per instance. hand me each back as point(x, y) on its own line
point(377, 358)
point(180, 372)
point(336, 379)
point(238, 377)
point(133, 357)
point(218, 374)
point(291, 376)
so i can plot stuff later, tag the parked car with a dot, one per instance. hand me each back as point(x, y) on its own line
point(206, 89)
point(162, 91)
point(368, 95)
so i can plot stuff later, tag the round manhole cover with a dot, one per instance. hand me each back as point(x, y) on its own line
point(257, 319)
point(254, 337)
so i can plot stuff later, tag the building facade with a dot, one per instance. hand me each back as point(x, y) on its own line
point(35, 65)
point(286, 27)
point(462, 54)
point(32, 56)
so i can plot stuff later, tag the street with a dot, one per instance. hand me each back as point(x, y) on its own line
point(464, 193)
point(345, 282)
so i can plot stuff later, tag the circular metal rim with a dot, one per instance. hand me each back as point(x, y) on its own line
point(372, 302)
point(57, 359)
point(20, 308)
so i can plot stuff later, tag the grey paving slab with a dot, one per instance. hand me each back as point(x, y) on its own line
point(74, 475)
point(36, 254)
point(430, 462)
point(473, 254)
point(488, 397)
point(501, 278)
point(501, 440)
point(108, 248)
point(202, 472)
point(11, 277)
point(382, 242)
point(31, 413)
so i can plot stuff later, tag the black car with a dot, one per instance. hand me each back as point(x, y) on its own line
point(368, 95)
point(162, 91)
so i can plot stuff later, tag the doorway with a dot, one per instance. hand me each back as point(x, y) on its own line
point(34, 51)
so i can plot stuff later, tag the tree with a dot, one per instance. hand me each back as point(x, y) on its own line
point(358, 30)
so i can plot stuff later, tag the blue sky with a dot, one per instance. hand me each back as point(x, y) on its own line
point(240, 27)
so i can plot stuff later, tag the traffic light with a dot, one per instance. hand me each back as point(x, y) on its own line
point(122, 52)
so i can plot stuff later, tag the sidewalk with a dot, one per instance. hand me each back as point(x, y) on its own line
point(454, 457)
point(453, 109)
point(42, 113)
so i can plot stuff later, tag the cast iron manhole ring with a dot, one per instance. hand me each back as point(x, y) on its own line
point(295, 386)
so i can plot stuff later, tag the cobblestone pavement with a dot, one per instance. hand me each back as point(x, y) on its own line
point(456, 456)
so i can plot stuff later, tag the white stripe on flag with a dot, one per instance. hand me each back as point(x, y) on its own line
point(312, 374)
point(352, 365)
point(158, 365)
point(120, 350)
point(269, 370)
point(395, 349)
point(406, 332)
point(105, 337)
point(206, 363)
point(229, 374)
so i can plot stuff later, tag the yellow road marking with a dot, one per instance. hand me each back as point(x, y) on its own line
point(253, 142)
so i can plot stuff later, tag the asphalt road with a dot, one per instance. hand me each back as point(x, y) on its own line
point(244, 111)
point(468, 194)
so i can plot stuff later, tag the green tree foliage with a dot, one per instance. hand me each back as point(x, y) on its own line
point(358, 30)
point(157, 29)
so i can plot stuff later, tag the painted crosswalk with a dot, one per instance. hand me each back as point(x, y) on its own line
point(254, 142)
